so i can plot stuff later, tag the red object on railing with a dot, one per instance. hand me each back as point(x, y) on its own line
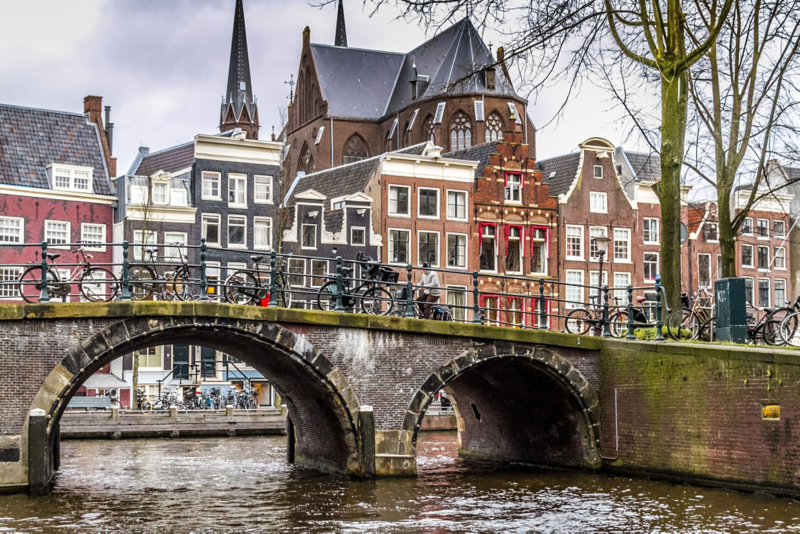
point(265, 301)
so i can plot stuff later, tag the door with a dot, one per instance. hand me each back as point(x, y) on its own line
point(180, 361)
point(208, 362)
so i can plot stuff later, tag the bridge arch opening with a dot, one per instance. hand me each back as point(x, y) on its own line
point(531, 408)
point(322, 407)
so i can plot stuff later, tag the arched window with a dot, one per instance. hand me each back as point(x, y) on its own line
point(460, 132)
point(306, 162)
point(494, 127)
point(429, 130)
point(355, 149)
point(406, 136)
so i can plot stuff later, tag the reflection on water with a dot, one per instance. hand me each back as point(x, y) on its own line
point(245, 484)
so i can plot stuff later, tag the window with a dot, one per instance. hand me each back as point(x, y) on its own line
point(306, 162)
point(310, 236)
point(574, 294)
point(210, 229)
point(704, 270)
point(780, 292)
point(399, 246)
point(93, 234)
point(456, 250)
point(651, 231)
point(779, 228)
point(763, 229)
point(514, 251)
point(139, 195)
point(262, 233)
point(747, 226)
point(179, 197)
point(597, 202)
point(398, 200)
point(150, 357)
point(160, 196)
point(575, 242)
point(262, 192)
point(488, 258)
point(211, 186)
point(622, 281)
point(513, 188)
point(358, 236)
point(72, 179)
point(594, 233)
point(460, 132)
point(598, 171)
point(174, 252)
point(297, 270)
point(457, 302)
point(237, 231)
point(748, 291)
point(763, 292)
point(11, 229)
point(428, 203)
point(650, 266)
point(355, 150)
point(719, 267)
point(237, 190)
point(319, 268)
point(212, 276)
point(428, 248)
point(622, 242)
point(539, 250)
point(516, 312)
point(141, 241)
point(8, 282)
point(338, 205)
point(711, 232)
point(491, 309)
point(430, 130)
point(493, 127)
point(747, 255)
point(56, 232)
point(780, 258)
point(62, 179)
point(457, 205)
point(594, 283)
point(763, 258)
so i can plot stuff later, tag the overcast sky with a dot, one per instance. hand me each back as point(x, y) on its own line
point(162, 65)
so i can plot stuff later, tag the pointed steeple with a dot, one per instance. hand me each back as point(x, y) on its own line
point(239, 108)
point(341, 31)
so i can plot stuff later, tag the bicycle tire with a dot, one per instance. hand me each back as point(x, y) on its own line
point(89, 279)
point(376, 301)
point(789, 329)
point(579, 321)
point(708, 330)
point(29, 283)
point(142, 281)
point(284, 290)
point(326, 296)
point(676, 321)
point(618, 323)
point(234, 285)
point(183, 287)
point(772, 334)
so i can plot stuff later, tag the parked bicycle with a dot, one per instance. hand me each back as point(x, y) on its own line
point(252, 287)
point(582, 321)
point(768, 328)
point(370, 294)
point(790, 326)
point(96, 284)
point(144, 281)
point(695, 319)
point(439, 312)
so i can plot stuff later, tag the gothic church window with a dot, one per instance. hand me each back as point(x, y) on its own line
point(494, 128)
point(429, 130)
point(460, 132)
point(355, 149)
point(306, 163)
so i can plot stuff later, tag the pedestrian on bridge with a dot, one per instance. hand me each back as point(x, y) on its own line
point(431, 290)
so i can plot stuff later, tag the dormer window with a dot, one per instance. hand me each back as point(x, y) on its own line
point(72, 178)
point(338, 205)
point(491, 78)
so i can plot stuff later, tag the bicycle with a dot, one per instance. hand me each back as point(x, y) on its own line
point(370, 294)
point(768, 328)
point(694, 319)
point(244, 287)
point(145, 282)
point(789, 326)
point(581, 320)
point(95, 283)
point(439, 312)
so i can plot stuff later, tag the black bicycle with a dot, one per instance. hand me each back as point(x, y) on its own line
point(369, 295)
point(96, 284)
point(252, 287)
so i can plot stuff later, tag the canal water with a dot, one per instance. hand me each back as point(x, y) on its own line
point(244, 484)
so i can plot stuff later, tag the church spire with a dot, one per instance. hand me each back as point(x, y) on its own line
point(341, 31)
point(239, 108)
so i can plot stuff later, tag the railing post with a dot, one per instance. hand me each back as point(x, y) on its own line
point(542, 308)
point(339, 285)
point(659, 318)
point(631, 335)
point(273, 302)
point(606, 326)
point(126, 279)
point(410, 292)
point(476, 308)
point(203, 279)
point(44, 296)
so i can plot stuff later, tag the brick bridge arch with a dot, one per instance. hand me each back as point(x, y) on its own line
point(323, 407)
point(525, 405)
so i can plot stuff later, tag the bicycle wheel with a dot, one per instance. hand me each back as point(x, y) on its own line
point(376, 301)
point(241, 288)
point(183, 287)
point(675, 323)
point(98, 284)
point(772, 333)
point(579, 321)
point(284, 290)
point(789, 329)
point(326, 297)
point(142, 281)
point(618, 323)
point(29, 284)
point(708, 330)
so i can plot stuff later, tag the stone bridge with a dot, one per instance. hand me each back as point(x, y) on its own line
point(357, 386)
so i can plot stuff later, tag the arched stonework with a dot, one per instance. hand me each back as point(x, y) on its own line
point(429, 130)
point(355, 149)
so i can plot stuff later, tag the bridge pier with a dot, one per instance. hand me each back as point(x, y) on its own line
point(290, 440)
point(40, 458)
point(366, 435)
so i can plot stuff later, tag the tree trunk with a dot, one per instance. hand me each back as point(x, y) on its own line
point(727, 237)
point(673, 129)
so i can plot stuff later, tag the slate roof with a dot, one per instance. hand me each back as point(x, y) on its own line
point(565, 168)
point(370, 84)
point(413, 150)
point(31, 139)
point(646, 167)
point(333, 220)
point(479, 153)
point(167, 160)
point(338, 181)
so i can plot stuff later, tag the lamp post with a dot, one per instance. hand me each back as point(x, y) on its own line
point(601, 242)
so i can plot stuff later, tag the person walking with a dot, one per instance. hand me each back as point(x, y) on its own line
point(431, 290)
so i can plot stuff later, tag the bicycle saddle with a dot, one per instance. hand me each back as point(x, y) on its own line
point(256, 258)
point(151, 250)
point(769, 310)
point(641, 299)
point(594, 297)
point(53, 255)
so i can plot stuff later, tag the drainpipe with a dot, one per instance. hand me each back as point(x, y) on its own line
point(331, 142)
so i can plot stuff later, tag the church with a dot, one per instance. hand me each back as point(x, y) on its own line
point(353, 103)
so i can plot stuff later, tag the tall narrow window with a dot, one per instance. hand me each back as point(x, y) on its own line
point(237, 190)
point(428, 248)
point(763, 228)
point(494, 127)
point(210, 229)
point(398, 200)
point(211, 186)
point(747, 255)
point(594, 233)
point(160, 195)
point(177, 246)
point(651, 231)
point(355, 149)
point(763, 292)
point(457, 205)
point(780, 292)
point(514, 251)
point(539, 251)
point(306, 161)
point(262, 193)
point(574, 292)
point(780, 258)
point(310, 236)
point(460, 132)
point(428, 202)
point(622, 281)
point(262, 233)
point(748, 291)
point(515, 315)
point(650, 266)
point(398, 246)
point(456, 250)
point(513, 189)
point(763, 258)
point(779, 228)
point(711, 232)
point(575, 242)
point(237, 231)
point(622, 244)
point(704, 270)
point(430, 130)
point(747, 226)
point(457, 301)
point(488, 249)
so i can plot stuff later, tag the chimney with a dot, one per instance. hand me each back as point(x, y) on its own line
point(93, 108)
point(109, 130)
point(306, 36)
point(501, 59)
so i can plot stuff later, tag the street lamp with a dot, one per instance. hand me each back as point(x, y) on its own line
point(601, 242)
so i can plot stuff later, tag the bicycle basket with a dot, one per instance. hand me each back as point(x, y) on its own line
point(375, 271)
point(388, 275)
point(401, 294)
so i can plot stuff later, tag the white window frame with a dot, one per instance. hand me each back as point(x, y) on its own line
point(93, 246)
point(758, 234)
point(594, 198)
point(769, 263)
point(210, 176)
point(71, 170)
point(352, 241)
point(234, 266)
point(228, 233)
point(302, 237)
point(438, 203)
point(785, 292)
point(438, 246)
point(752, 228)
point(322, 278)
point(47, 222)
point(389, 201)
point(204, 228)
point(775, 258)
point(235, 178)
point(753, 259)
point(757, 290)
point(466, 250)
point(658, 266)
point(543, 241)
point(257, 220)
point(144, 195)
point(571, 303)
point(256, 179)
point(160, 184)
point(170, 251)
point(214, 277)
point(390, 249)
point(566, 242)
point(651, 221)
point(10, 284)
point(614, 245)
point(783, 232)
point(290, 274)
point(716, 224)
point(21, 221)
point(139, 243)
point(754, 288)
point(521, 240)
point(456, 311)
point(159, 350)
point(592, 238)
point(178, 192)
point(593, 281)
point(594, 172)
point(622, 294)
point(516, 187)
point(496, 255)
point(710, 271)
point(466, 196)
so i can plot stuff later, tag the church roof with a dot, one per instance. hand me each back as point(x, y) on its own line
point(370, 84)
point(239, 92)
point(479, 153)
